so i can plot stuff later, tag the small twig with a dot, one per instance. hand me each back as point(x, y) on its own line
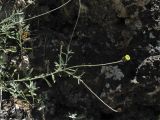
point(97, 95)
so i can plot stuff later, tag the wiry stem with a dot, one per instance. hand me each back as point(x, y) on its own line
point(95, 65)
point(36, 77)
point(1, 98)
point(1, 88)
point(37, 15)
point(79, 13)
point(93, 93)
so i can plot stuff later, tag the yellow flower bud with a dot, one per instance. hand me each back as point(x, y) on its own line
point(126, 58)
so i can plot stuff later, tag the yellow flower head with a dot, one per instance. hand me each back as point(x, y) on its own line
point(126, 58)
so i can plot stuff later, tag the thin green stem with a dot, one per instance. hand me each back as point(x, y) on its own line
point(63, 70)
point(93, 93)
point(1, 89)
point(1, 99)
point(45, 13)
point(36, 77)
point(48, 11)
point(79, 13)
point(95, 65)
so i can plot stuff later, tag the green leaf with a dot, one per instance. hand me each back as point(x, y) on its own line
point(2, 59)
point(53, 78)
point(49, 84)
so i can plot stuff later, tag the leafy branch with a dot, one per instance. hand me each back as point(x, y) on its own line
point(61, 67)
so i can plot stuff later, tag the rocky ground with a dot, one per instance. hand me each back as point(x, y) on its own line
point(106, 31)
